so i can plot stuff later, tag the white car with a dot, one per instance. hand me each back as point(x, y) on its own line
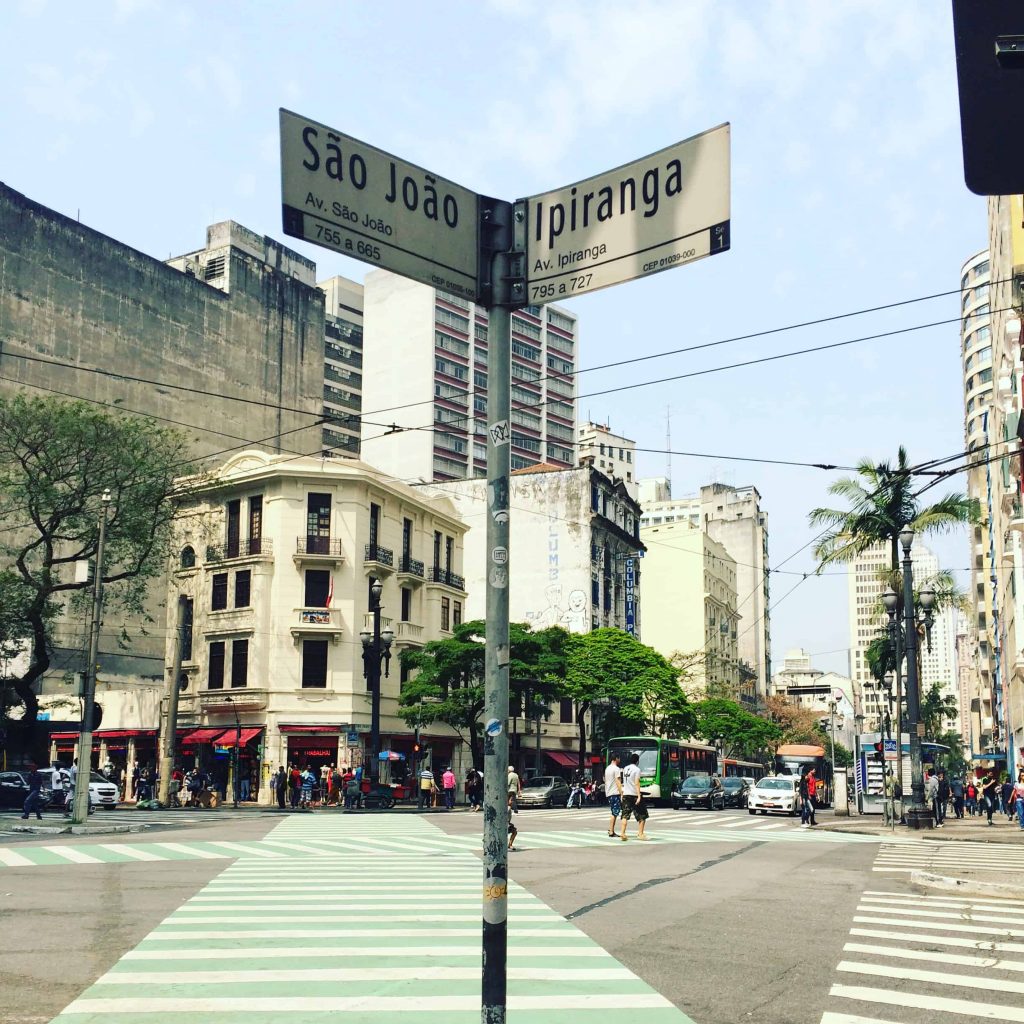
point(779, 794)
point(102, 792)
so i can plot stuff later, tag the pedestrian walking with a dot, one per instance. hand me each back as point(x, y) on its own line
point(613, 791)
point(576, 792)
point(1018, 799)
point(943, 796)
point(427, 787)
point(449, 782)
point(279, 781)
point(61, 784)
point(989, 785)
point(294, 787)
point(336, 787)
point(956, 788)
point(1006, 792)
point(808, 789)
point(889, 801)
point(514, 787)
point(931, 796)
point(632, 799)
point(308, 783)
point(972, 797)
point(34, 800)
point(473, 789)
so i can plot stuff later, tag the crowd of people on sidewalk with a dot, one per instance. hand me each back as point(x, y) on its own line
point(986, 793)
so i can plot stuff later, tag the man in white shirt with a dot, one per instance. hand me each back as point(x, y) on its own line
point(632, 801)
point(613, 791)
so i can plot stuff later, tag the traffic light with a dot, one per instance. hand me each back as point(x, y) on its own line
point(415, 748)
point(879, 751)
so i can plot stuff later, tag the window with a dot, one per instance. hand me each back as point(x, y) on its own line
point(186, 631)
point(406, 538)
point(406, 604)
point(446, 622)
point(219, 597)
point(255, 523)
point(234, 512)
point(565, 710)
point(243, 588)
point(215, 666)
point(314, 664)
point(374, 523)
point(188, 557)
point(437, 549)
point(595, 497)
point(985, 376)
point(239, 663)
point(318, 583)
point(449, 544)
point(318, 519)
point(457, 614)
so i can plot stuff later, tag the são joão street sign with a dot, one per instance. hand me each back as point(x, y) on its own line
point(345, 195)
point(663, 211)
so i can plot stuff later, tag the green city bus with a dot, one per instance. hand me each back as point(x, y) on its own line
point(663, 762)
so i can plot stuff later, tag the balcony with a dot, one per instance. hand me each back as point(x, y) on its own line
point(385, 622)
point(410, 570)
point(1017, 517)
point(318, 550)
point(408, 634)
point(378, 561)
point(260, 548)
point(316, 624)
point(447, 578)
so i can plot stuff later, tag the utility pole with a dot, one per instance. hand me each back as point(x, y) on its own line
point(502, 222)
point(171, 719)
point(80, 811)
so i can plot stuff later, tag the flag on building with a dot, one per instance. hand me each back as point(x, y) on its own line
point(330, 592)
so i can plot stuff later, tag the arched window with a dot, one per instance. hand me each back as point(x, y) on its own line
point(188, 557)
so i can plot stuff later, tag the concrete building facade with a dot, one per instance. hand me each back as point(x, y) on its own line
point(829, 694)
point(425, 383)
point(613, 454)
point(275, 560)
point(732, 516)
point(691, 580)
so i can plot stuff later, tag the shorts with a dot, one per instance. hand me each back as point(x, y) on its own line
point(630, 807)
point(615, 805)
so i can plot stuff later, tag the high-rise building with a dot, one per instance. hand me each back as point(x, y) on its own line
point(691, 580)
point(868, 618)
point(343, 364)
point(425, 383)
point(733, 517)
point(613, 454)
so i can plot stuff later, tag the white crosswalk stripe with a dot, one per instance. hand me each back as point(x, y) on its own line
point(948, 956)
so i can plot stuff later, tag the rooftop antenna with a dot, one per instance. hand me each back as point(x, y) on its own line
point(668, 446)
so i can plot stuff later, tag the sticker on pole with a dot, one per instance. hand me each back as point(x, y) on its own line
point(663, 211)
point(493, 727)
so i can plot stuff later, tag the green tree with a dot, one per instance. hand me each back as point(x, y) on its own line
point(882, 502)
point(56, 460)
point(744, 735)
point(936, 707)
point(843, 755)
point(798, 725)
point(449, 683)
point(641, 687)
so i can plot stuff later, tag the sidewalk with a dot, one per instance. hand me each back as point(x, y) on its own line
point(965, 829)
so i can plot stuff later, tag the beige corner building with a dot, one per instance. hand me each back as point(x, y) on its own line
point(690, 608)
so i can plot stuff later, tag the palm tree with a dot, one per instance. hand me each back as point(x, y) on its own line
point(882, 503)
point(936, 707)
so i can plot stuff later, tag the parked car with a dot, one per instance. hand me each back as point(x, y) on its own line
point(699, 791)
point(778, 794)
point(736, 790)
point(14, 789)
point(102, 792)
point(544, 791)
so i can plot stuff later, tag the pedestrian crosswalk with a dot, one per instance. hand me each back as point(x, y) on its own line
point(951, 958)
point(945, 857)
point(412, 836)
point(365, 940)
point(12, 820)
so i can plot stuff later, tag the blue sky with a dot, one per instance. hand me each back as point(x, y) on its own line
point(152, 119)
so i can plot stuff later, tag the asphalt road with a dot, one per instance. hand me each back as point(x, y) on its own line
point(731, 918)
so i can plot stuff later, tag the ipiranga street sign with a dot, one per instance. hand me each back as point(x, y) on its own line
point(669, 208)
point(345, 195)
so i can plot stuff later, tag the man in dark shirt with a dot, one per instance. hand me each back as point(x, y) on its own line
point(34, 800)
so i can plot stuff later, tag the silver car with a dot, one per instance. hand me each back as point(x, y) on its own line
point(544, 791)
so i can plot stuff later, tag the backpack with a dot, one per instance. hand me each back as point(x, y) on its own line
point(897, 791)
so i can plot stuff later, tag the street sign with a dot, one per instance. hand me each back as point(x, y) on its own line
point(346, 195)
point(663, 211)
point(631, 597)
point(889, 749)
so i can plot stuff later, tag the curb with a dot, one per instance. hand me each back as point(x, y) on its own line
point(966, 886)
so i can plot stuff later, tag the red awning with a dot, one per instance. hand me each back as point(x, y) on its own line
point(565, 760)
point(320, 730)
point(227, 739)
point(200, 736)
point(63, 735)
point(120, 734)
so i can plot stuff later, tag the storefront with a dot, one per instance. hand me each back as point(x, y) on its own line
point(115, 752)
point(310, 746)
point(211, 750)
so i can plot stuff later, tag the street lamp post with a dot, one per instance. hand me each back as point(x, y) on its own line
point(891, 600)
point(234, 753)
point(376, 653)
point(918, 816)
